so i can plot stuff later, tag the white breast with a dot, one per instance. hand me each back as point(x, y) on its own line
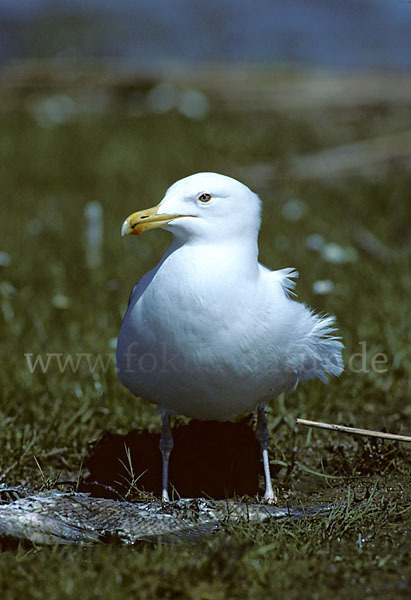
point(206, 351)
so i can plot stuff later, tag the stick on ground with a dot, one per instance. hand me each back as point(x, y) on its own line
point(354, 430)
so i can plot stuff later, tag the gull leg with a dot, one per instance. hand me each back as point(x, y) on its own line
point(166, 446)
point(262, 436)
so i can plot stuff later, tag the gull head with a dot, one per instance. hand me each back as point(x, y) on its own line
point(202, 207)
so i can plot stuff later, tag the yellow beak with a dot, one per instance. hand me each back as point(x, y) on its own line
point(146, 219)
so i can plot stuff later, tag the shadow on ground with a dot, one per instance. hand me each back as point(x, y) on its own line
point(209, 459)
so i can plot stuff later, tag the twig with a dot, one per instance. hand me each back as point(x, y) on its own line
point(368, 432)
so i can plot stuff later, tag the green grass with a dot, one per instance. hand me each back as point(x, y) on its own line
point(351, 554)
point(47, 175)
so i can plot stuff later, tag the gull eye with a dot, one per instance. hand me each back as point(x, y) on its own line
point(204, 197)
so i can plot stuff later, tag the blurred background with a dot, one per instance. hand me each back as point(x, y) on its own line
point(349, 34)
point(104, 104)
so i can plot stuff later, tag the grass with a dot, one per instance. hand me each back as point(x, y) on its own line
point(52, 303)
point(351, 553)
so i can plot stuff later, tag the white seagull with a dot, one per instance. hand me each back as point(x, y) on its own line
point(211, 333)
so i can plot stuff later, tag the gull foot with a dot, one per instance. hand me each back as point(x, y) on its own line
point(269, 498)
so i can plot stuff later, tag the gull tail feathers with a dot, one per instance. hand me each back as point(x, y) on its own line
point(322, 354)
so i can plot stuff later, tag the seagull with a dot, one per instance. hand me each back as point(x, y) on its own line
point(211, 333)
